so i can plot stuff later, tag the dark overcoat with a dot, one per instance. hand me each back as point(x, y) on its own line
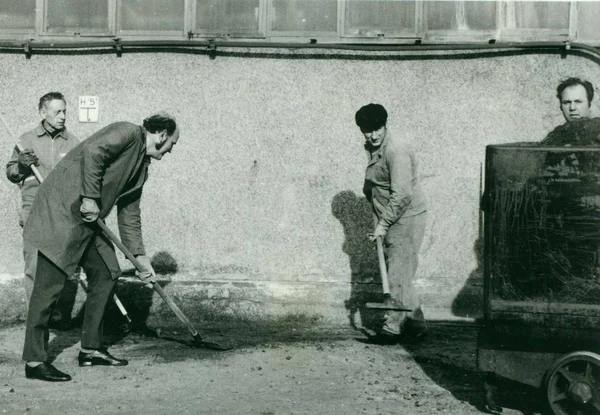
point(111, 167)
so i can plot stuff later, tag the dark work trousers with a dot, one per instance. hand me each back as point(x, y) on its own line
point(49, 281)
point(402, 243)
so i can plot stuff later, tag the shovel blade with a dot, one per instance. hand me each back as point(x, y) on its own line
point(388, 305)
point(198, 342)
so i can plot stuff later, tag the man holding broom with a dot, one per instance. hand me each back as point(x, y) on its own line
point(43, 147)
point(393, 188)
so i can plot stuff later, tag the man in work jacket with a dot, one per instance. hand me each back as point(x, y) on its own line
point(107, 169)
point(393, 188)
point(44, 147)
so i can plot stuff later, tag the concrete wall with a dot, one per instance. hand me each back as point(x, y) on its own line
point(260, 202)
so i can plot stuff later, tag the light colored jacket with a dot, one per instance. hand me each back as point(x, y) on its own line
point(49, 152)
point(392, 182)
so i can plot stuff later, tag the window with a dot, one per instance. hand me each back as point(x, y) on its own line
point(77, 17)
point(588, 17)
point(303, 17)
point(536, 15)
point(461, 15)
point(380, 18)
point(546, 20)
point(229, 17)
point(17, 14)
point(152, 15)
point(339, 21)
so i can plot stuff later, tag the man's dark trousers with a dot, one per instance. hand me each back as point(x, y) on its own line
point(49, 281)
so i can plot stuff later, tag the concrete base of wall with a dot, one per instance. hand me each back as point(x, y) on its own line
point(307, 302)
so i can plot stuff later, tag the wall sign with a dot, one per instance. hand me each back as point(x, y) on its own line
point(89, 107)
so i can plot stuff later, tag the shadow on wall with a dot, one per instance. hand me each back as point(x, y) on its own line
point(469, 301)
point(355, 215)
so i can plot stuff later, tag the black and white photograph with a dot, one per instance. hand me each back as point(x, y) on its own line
point(300, 207)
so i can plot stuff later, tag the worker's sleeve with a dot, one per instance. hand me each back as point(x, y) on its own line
point(400, 167)
point(14, 171)
point(130, 223)
point(97, 157)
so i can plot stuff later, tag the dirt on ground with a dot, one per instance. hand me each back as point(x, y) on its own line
point(310, 370)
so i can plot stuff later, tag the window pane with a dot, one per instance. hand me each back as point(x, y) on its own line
point(85, 15)
point(537, 15)
point(364, 17)
point(152, 14)
point(304, 16)
point(17, 14)
point(587, 21)
point(225, 16)
point(461, 15)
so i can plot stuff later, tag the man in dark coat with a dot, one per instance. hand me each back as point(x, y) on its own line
point(107, 169)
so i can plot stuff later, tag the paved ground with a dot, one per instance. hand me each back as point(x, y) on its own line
point(307, 370)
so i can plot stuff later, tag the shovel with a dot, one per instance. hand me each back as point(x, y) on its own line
point(198, 342)
point(388, 303)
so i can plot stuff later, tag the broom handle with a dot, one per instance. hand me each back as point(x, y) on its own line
point(34, 169)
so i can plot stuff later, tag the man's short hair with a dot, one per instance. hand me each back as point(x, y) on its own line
point(371, 117)
point(50, 96)
point(159, 122)
point(589, 88)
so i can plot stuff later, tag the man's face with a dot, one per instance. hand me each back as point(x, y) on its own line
point(54, 114)
point(375, 138)
point(574, 103)
point(160, 144)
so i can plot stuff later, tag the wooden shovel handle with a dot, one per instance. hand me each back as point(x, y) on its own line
point(382, 268)
point(155, 285)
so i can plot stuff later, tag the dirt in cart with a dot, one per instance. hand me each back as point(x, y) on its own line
point(271, 370)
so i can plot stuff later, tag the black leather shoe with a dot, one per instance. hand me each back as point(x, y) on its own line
point(100, 357)
point(46, 372)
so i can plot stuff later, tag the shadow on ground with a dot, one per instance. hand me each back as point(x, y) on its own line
point(116, 325)
point(355, 215)
point(448, 355)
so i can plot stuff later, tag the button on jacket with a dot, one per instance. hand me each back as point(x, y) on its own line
point(392, 181)
point(49, 152)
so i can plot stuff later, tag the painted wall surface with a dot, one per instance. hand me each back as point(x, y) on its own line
point(264, 187)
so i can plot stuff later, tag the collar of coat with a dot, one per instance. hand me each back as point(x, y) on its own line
point(41, 131)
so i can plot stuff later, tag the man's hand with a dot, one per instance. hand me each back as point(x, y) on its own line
point(379, 231)
point(148, 276)
point(27, 157)
point(89, 210)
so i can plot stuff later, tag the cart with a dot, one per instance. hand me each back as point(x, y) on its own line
point(541, 324)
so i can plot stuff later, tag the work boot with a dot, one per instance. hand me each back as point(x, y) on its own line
point(393, 322)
